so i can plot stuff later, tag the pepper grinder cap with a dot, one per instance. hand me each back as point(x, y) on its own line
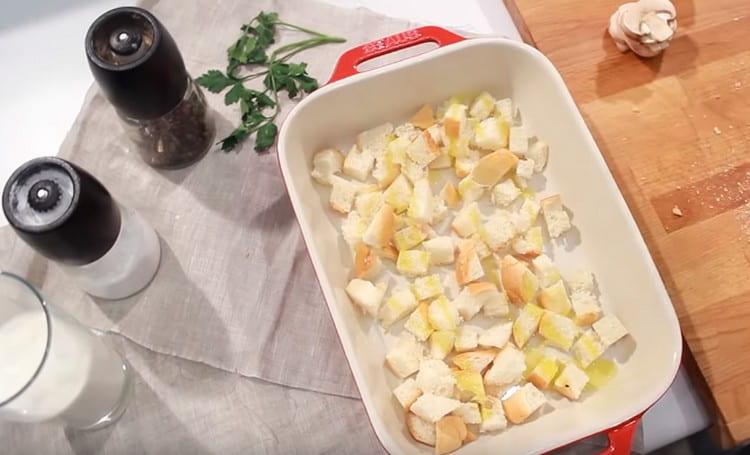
point(61, 211)
point(136, 63)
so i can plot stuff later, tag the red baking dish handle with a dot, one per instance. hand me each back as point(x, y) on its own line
point(621, 437)
point(347, 64)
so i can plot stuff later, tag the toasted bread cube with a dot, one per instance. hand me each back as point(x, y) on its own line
point(442, 314)
point(418, 322)
point(587, 348)
point(413, 262)
point(469, 412)
point(424, 118)
point(407, 393)
point(450, 432)
point(504, 193)
point(342, 194)
point(482, 106)
point(469, 385)
point(435, 377)
point(441, 250)
point(380, 230)
point(474, 360)
point(555, 216)
point(555, 298)
point(493, 415)
point(493, 167)
point(421, 203)
point(468, 265)
point(580, 280)
point(439, 210)
point(404, 358)
point(530, 244)
point(398, 194)
point(497, 306)
point(399, 304)
point(420, 429)
point(571, 381)
point(507, 368)
point(443, 161)
point(609, 329)
point(523, 403)
point(499, 230)
point(526, 324)
point(413, 171)
point(470, 190)
point(519, 282)
point(428, 287)
point(585, 307)
point(468, 220)
point(518, 141)
point(352, 229)
point(386, 169)
point(326, 163)
point(525, 168)
point(397, 147)
point(366, 295)
point(544, 372)
point(467, 337)
point(496, 336)
point(491, 134)
point(466, 162)
point(558, 330)
point(504, 108)
point(368, 204)
point(358, 163)
point(483, 251)
point(367, 264)
point(546, 271)
point(441, 343)
point(409, 237)
point(423, 150)
point(526, 215)
point(433, 407)
point(376, 139)
point(454, 122)
point(538, 152)
point(449, 195)
point(469, 302)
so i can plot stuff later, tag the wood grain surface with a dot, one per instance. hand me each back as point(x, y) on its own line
point(675, 131)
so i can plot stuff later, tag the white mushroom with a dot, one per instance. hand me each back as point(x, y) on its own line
point(645, 27)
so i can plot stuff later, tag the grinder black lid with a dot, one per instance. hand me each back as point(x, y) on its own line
point(61, 211)
point(136, 63)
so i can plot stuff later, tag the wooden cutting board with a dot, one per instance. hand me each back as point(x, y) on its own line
point(675, 131)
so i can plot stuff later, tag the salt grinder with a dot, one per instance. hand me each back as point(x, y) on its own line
point(65, 214)
point(140, 70)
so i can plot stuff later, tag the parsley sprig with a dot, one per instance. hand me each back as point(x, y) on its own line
point(259, 108)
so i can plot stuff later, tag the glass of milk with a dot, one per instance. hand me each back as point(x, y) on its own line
point(53, 368)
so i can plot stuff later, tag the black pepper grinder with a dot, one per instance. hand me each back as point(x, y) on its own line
point(139, 68)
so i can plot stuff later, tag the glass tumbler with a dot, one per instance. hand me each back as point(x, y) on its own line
point(53, 368)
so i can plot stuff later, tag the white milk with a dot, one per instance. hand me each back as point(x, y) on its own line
point(82, 381)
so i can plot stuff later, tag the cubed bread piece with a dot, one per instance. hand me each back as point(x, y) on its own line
point(504, 108)
point(381, 228)
point(558, 330)
point(470, 190)
point(352, 229)
point(555, 216)
point(468, 266)
point(358, 163)
point(433, 407)
point(474, 360)
point(386, 168)
point(454, 122)
point(424, 118)
point(546, 271)
point(529, 244)
point(404, 358)
point(428, 287)
point(413, 171)
point(468, 220)
point(538, 152)
point(527, 214)
point(326, 163)
point(367, 264)
point(397, 147)
point(585, 307)
point(555, 298)
point(493, 415)
point(418, 322)
point(375, 139)
point(526, 324)
point(469, 385)
point(482, 106)
point(571, 381)
point(442, 314)
point(544, 372)
point(399, 304)
point(504, 193)
point(524, 402)
point(420, 429)
point(343, 193)
point(450, 433)
point(409, 237)
point(469, 412)
point(407, 393)
point(518, 141)
point(368, 204)
point(483, 251)
point(465, 162)
point(497, 306)
point(423, 150)
point(441, 250)
point(398, 194)
point(443, 161)
point(519, 282)
point(507, 368)
point(587, 348)
point(496, 336)
point(441, 343)
point(421, 204)
point(449, 195)
point(580, 280)
point(413, 262)
point(609, 329)
point(525, 168)
point(498, 231)
point(366, 295)
point(469, 302)
point(491, 134)
point(435, 377)
point(493, 167)
point(467, 337)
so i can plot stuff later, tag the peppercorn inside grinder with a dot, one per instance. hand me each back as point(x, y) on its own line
point(140, 70)
point(66, 215)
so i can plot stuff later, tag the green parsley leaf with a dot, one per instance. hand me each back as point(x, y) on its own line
point(266, 137)
point(236, 93)
point(215, 81)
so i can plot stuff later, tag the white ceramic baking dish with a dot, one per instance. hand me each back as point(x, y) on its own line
point(608, 242)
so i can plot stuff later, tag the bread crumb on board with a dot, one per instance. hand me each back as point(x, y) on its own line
point(676, 211)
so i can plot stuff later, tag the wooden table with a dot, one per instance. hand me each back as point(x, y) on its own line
point(675, 131)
